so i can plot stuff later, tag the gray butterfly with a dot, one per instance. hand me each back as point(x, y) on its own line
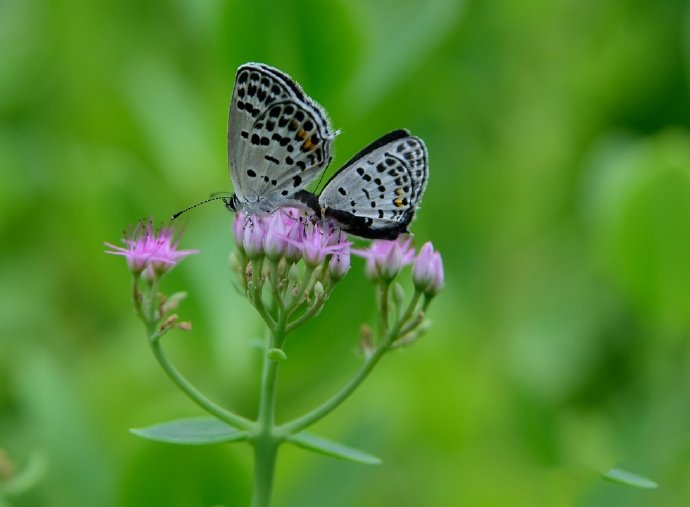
point(279, 140)
point(376, 193)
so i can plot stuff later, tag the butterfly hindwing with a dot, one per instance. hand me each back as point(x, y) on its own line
point(279, 139)
point(376, 194)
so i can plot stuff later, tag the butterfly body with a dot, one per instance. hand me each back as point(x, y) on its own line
point(279, 140)
point(376, 194)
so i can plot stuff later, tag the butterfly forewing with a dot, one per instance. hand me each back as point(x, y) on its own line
point(375, 194)
point(278, 138)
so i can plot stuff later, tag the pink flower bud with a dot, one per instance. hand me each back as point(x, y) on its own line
point(253, 240)
point(427, 270)
point(293, 250)
point(313, 244)
point(390, 263)
point(386, 258)
point(339, 265)
point(275, 241)
point(238, 226)
point(438, 280)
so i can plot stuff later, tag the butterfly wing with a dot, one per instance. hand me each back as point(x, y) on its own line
point(279, 139)
point(376, 193)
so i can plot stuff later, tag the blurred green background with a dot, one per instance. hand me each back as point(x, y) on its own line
point(559, 196)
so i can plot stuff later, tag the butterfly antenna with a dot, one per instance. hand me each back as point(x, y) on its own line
point(318, 184)
point(215, 198)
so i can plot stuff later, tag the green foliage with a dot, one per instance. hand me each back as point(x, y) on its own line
point(629, 479)
point(192, 431)
point(324, 446)
point(559, 197)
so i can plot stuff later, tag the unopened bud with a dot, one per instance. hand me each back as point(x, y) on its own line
point(169, 322)
point(293, 250)
point(173, 302)
point(275, 241)
point(184, 326)
point(412, 336)
point(366, 340)
point(427, 270)
point(253, 239)
point(293, 274)
point(385, 258)
point(339, 265)
point(318, 290)
point(238, 226)
point(398, 294)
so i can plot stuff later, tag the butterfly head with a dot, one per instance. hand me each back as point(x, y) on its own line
point(231, 202)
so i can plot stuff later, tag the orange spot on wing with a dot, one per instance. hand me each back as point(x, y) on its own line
point(308, 145)
point(301, 134)
point(398, 202)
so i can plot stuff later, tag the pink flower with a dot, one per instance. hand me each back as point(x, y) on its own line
point(427, 271)
point(253, 237)
point(148, 249)
point(293, 250)
point(238, 226)
point(318, 243)
point(339, 265)
point(386, 258)
point(275, 240)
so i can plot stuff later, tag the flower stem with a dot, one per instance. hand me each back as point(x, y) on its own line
point(265, 453)
point(308, 314)
point(294, 302)
point(265, 439)
point(327, 407)
point(384, 346)
point(411, 308)
point(383, 308)
point(192, 392)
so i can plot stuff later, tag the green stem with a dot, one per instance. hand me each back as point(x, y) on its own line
point(331, 404)
point(265, 454)
point(192, 392)
point(295, 301)
point(265, 440)
point(411, 308)
point(256, 291)
point(152, 303)
point(308, 314)
point(383, 308)
point(327, 407)
point(137, 297)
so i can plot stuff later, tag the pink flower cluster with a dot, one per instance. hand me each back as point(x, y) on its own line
point(286, 233)
point(385, 259)
point(148, 251)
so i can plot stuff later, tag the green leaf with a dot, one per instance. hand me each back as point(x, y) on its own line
point(334, 449)
point(629, 479)
point(192, 431)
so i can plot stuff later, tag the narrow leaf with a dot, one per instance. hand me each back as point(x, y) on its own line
point(629, 479)
point(334, 449)
point(192, 431)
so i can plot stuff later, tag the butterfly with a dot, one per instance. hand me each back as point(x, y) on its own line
point(376, 193)
point(279, 140)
